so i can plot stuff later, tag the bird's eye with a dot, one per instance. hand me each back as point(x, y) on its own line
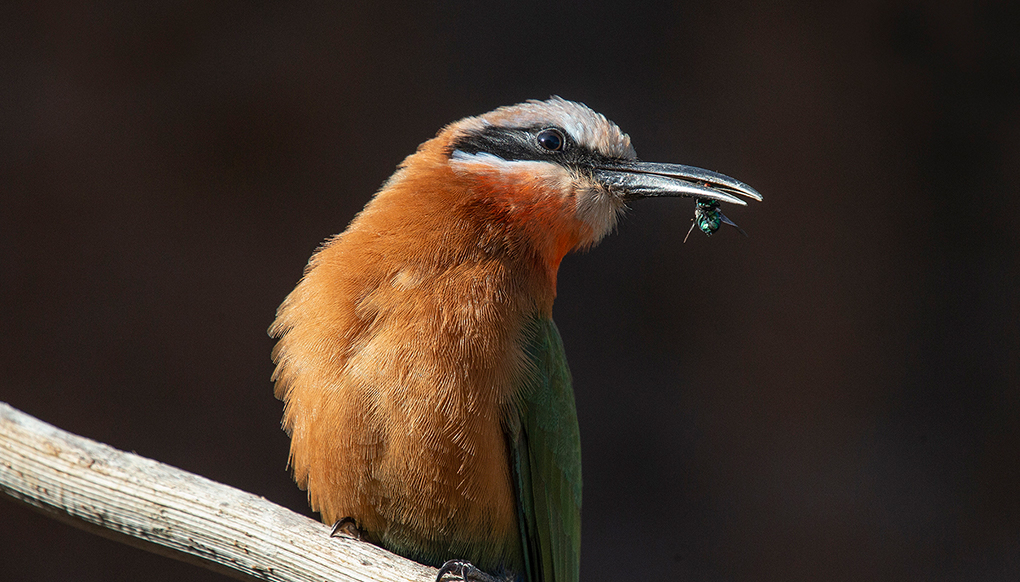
point(550, 139)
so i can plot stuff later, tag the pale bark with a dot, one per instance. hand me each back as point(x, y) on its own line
point(168, 511)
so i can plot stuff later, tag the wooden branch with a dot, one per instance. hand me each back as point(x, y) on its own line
point(147, 504)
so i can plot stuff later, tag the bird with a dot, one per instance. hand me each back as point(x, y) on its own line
point(426, 391)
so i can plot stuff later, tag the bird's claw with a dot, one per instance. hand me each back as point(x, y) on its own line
point(346, 526)
point(465, 571)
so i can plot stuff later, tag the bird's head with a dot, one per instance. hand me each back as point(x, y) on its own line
point(553, 171)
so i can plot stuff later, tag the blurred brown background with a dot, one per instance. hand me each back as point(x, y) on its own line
point(834, 398)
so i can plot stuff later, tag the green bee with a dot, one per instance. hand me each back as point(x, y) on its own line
point(708, 218)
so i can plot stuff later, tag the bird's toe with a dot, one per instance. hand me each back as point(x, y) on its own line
point(348, 527)
point(466, 571)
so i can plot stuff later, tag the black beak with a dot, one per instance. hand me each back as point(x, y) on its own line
point(634, 179)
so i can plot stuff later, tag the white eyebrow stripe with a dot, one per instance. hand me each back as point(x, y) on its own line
point(463, 156)
point(489, 158)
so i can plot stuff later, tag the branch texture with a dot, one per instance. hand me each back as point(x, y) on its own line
point(163, 509)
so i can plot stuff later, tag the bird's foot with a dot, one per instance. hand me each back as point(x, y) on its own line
point(347, 527)
point(466, 571)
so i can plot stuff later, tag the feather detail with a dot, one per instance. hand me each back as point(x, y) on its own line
point(546, 455)
point(400, 354)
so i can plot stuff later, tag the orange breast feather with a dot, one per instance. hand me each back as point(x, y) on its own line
point(400, 352)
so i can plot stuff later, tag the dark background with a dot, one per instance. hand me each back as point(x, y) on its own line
point(834, 398)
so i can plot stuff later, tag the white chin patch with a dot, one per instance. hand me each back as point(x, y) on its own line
point(599, 209)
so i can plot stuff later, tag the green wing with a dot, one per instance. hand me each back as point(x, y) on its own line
point(546, 452)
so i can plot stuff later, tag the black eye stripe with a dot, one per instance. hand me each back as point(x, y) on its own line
point(523, 144)
point(507, 143)
point(517, 143)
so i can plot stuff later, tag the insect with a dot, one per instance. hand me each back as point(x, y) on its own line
point(708, 218)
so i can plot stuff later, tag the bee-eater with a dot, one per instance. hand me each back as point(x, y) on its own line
point(427, 393)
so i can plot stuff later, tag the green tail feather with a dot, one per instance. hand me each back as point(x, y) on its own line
point(546, 455)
